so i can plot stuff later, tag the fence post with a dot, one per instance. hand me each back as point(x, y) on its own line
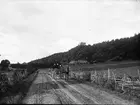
point(108, 74)
point(104, 75)
point(124, 78)
point(122, 87)
point(123, 82)
point(95, 76)
point(91, 75)
point(114, 77)
point(139, 74)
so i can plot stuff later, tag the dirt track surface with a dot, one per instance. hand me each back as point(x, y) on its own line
point(46, 90)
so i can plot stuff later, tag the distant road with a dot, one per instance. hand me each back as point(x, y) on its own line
point(46, 90)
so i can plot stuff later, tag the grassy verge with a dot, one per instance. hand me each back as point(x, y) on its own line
point(100, 80)
point(17, 92)
point(123, 95)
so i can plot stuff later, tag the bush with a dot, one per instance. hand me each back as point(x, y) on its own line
point(4, 83)
point(19, 75)
point(87, 76)
point(110, 84)
point(132, 92)
point(102, 81)
point(5, 63)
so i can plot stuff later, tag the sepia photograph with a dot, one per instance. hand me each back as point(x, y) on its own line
point(70, 52)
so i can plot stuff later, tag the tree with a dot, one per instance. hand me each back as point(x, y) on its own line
point(82, 44)
point(114, 50)
point(5, 63)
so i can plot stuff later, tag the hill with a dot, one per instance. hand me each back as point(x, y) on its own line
point(114, 50)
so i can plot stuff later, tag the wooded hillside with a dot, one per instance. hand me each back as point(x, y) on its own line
point(114, 50)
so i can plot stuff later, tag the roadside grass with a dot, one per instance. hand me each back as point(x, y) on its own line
point(119, 93)
point(16, 92)
point(109, 86)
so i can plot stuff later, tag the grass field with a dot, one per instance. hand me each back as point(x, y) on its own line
point(119, 68)
point(98, 74)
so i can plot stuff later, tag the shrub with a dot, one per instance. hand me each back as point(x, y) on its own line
point(110, 84)
point(4, 83)
point(132, 92)
point(5, 63)
point(87, 76)
point(102, 81)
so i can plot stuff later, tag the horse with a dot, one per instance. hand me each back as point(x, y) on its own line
point(61, 70)
point(64, 72)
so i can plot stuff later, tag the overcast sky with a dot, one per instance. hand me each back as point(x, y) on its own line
point(31, 29)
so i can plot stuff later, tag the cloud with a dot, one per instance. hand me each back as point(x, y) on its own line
point(61, 45)
point(32, 29)
point(9, 45)
point(28, 9)
point(66, 43)
point(21, 28)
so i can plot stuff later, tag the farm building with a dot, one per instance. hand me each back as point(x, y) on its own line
point(82, 62)
point(79, 62)
point(73, 62)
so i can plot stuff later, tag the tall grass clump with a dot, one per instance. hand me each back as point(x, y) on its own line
point(87, 76)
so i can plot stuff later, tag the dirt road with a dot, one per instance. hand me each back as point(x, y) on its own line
point(46, 90)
